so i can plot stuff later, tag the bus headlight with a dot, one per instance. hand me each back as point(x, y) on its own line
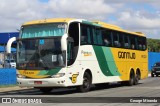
point(58, 75)
point(20, 76)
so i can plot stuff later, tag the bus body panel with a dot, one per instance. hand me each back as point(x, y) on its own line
point(118, 68)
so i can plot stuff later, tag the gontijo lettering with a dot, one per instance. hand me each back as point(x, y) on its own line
point(126, 55)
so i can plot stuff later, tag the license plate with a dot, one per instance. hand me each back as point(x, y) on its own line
point(37, 82)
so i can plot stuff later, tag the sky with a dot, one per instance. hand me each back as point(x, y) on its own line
point(134, 15)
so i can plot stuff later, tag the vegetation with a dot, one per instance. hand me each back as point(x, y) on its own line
point(153, 45)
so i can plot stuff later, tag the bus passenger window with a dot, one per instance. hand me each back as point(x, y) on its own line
point(106, 42)
point(144, 47)
point(126, 42)
point(99, 37)
point(106, 34)
point(133, 47)
point(141, 43)
point(95, 42)
point(116, 39)
point(140, 47)
point(83, 39)
point(121, 42)
point(126, 45)
point(133, 41)
point(85, 35)
point(116, 43)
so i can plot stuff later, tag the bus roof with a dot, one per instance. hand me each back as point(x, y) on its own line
point(48, 21)
point(95, 23)
point(114, 27)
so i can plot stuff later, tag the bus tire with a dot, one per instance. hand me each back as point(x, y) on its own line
point(45, 89)
point(131, 79)
point(87, 81)
point(136, 79)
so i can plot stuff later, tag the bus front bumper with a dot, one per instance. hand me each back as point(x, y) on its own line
point(47, 82)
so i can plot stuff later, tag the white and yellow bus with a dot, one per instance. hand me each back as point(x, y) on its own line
point(76, 52)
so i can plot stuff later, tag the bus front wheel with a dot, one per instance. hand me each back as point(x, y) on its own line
point(86, 85)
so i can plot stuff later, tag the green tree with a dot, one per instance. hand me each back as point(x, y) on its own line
point(153, 45)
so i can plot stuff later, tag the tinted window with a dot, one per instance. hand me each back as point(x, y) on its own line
point(111, 38)
point(85, 35)
point(133, 42)
point(121, 39)
point(126, 41)
point(157, 64)
point(97, 36)
point(141, 43)
point(95, 41)
point(107, 37)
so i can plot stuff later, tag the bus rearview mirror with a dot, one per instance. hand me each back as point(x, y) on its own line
point(9, 44)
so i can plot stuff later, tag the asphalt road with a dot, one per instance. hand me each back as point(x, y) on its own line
point(149, 87)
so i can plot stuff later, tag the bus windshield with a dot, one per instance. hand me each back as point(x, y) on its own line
point(41, 53)
point(43, 30)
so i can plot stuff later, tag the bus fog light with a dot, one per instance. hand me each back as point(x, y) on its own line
point(58, 75)
point(20, 76)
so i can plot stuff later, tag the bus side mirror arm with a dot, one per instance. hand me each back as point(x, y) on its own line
point(9, 44)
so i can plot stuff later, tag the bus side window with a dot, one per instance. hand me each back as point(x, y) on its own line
point(83, 39)
point(121, 41)
point(140, 47)
point(107, 40)
point(115, 39)
point(126, 41)
point(133, 42)
point(85, 35)
point(141, 43)
point(144, 43)
point(94, 35)
point(99, 36)
point(144, 47)
point(126, 45)
point(116, 43)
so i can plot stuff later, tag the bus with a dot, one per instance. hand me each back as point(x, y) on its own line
point(66, 52)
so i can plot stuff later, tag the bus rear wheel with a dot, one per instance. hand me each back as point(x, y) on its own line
point(86, 85)
point(136, 80)
point(131, 79)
